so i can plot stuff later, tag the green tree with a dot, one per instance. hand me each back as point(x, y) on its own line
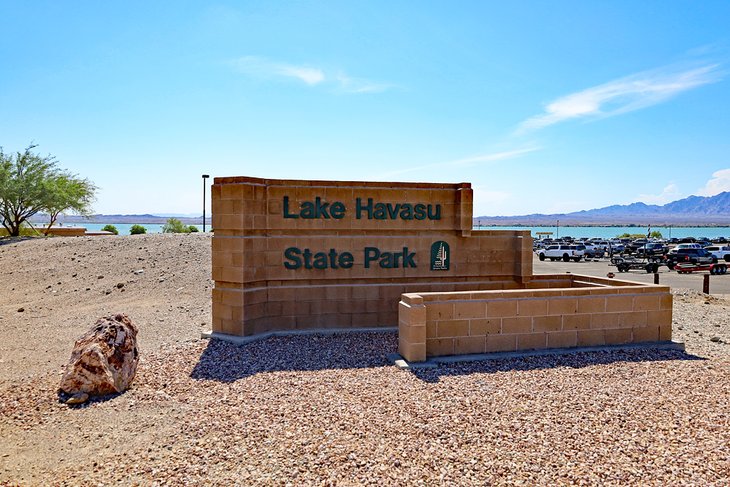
point(174, 225)
point(31, 183)
point(68, 192)
point(110, 228)
point(23, 181)
point(656, 234)
point(137, 230)
point(193, 229)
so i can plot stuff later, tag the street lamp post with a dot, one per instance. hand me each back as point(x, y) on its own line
point(205, 176)
point(557, 229)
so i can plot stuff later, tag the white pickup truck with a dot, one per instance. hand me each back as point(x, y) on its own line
point(558, 252)
point(722, 252)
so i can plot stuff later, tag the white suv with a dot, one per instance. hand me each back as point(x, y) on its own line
point(564, 252)
point(721, 252)
point(685, 246)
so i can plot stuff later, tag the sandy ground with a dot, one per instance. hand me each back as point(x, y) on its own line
point(331, 410)
point(64, 284)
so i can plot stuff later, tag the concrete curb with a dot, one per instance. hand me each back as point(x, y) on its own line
point(322, 331)
point(433, 362)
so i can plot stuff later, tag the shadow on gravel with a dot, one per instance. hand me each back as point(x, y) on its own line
point(62, 397)
point(12, 240)
point(568, 360)
point(227, 362)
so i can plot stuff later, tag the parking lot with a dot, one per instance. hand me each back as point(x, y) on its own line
point(601, 267)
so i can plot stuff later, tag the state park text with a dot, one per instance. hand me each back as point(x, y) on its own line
point(297, 258)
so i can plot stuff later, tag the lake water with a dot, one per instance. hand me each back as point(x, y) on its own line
point(575, 232)
point(610, 232)
point(123, 228)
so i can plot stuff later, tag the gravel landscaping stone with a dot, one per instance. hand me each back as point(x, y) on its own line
point(331, 409)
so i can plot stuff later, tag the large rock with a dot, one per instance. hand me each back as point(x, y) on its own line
point(103, 361)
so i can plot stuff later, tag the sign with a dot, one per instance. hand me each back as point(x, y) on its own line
point(297, 255)
point(440, 256)
point(372, 257)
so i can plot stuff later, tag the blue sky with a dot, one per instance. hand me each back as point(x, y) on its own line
point(543, 106)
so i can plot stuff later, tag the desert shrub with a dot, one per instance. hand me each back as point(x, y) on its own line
point(174, 225)
point(137, 230)
point(193, 229)
point(110, 228)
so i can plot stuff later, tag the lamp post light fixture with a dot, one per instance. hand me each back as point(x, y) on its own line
point(205, 176)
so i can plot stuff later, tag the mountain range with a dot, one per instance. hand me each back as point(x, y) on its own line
point(690, 211)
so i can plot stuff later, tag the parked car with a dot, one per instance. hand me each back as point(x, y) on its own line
point(693, 256)
point(721, 252)
point(564, 252)
point(634, 246)
point(652, 249)
point(600, 246)
point(616, 246)
point(704, 241)
point(685, 246)
point(589, 251)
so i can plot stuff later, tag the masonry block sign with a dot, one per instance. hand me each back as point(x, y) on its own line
point(290, 255)
point(303, 255)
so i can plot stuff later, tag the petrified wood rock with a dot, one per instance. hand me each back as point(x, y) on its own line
point(104, 360)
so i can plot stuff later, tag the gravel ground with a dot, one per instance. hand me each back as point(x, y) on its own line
point(330, 410)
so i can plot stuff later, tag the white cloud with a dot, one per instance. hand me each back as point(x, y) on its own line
point(264, 68)
point(311, 76)
point(259, 67)
point(496, 156)
point(359, 85)
point(624, 95)
point(719, 182)
point(468, 161)
point(669, 193)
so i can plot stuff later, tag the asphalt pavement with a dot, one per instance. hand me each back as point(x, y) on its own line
point(600, 267)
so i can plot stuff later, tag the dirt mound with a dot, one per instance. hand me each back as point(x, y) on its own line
point(162, 281)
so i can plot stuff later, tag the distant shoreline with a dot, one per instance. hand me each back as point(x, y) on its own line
point(117, 219)
point(601, 225)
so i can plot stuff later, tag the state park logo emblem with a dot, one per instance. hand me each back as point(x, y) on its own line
point(440, 256)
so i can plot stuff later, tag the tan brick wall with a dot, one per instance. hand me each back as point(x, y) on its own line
point(255, 292)
point(586, 311)
point(66, 231)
